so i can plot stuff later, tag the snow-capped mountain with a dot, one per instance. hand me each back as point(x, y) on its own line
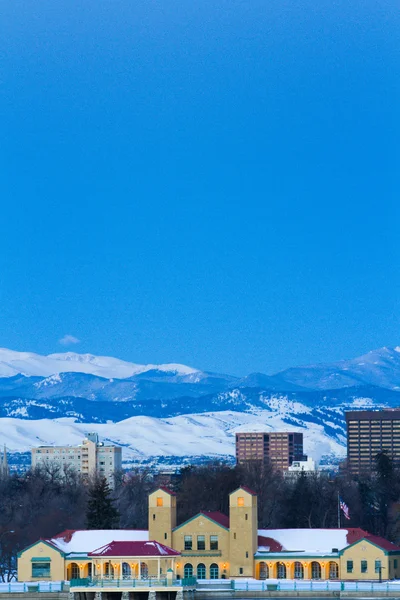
point(27, 363)
point(176, 410)
point(379, 367)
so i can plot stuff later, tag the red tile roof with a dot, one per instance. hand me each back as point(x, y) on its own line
point(245, 489)
point(273, 545)
point(65, 535)
point(218, 517)
point(382, 543)
point(166, 490)
point(152, 548)
point(354, 534)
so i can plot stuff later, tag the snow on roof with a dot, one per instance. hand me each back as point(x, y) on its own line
point(268, 544)
point(311, 540)
point(152, 548)
point(88, 540)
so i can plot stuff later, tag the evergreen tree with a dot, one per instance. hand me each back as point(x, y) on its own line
point(101, 512)
point(387, 489)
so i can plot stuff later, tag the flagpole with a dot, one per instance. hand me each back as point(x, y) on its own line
point(338, 510)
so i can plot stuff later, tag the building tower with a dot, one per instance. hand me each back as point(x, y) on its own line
point(162, 515)
point(4, 468)
point(370, 432)
point(279, 448)
point(243, 532)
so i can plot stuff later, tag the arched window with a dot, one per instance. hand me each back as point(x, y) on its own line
point(108, 570)
point(75, 573)
point(188, 570)
point(201, 571)
point(144, 569)
point(333, 570)
point(214, 571)
point(315, 570)
point(298, 570)
point(264, 571)
point(281, 570)
point(126, 571)
point(89, 570)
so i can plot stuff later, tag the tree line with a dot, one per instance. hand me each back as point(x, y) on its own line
point(45, 501)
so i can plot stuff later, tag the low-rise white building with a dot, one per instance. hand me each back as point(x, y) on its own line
point(302, 466)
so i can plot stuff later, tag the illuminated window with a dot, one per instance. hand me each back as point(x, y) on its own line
point(159, 501)
point(241, 501)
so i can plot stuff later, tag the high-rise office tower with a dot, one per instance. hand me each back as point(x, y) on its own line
point(370, 432)
point(279, 448)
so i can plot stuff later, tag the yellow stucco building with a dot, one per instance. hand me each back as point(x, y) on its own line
point(210, 545)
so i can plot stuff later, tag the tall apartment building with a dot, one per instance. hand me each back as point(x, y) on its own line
point(88, 458)
point(368, 433)
point(280, 448)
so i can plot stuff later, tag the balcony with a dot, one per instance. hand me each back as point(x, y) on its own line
point(142, 584)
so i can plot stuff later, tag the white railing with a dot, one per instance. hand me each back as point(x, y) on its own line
point(40, 586)
point(300, 585)
point(235, 584)
point(97, 582)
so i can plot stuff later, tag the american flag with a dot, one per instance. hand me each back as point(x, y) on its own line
point(344, 508)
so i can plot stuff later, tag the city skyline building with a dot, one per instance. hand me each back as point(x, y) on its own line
point(370, 432)
point(279, 448)
point(88, 458)
point(4, 466)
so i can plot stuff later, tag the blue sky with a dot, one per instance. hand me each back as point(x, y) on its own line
point(213, 183)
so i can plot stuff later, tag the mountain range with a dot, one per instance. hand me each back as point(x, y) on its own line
point(176, 410)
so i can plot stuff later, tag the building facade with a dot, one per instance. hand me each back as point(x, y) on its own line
point(4, 467)
point(370, 432)
point(279, 448)
point(210, 545)
point(88, 458)
point(297, 467)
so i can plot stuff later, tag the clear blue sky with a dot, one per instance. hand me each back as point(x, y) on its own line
point(213, 183)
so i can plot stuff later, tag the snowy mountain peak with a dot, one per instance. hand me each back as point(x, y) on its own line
point(28, 363)
point(380, 367)
point(56, 398)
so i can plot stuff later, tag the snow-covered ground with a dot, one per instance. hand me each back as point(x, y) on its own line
point(210, 434)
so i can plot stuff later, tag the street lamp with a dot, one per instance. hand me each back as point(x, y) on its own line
point(379, 569)
point(5, 533)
